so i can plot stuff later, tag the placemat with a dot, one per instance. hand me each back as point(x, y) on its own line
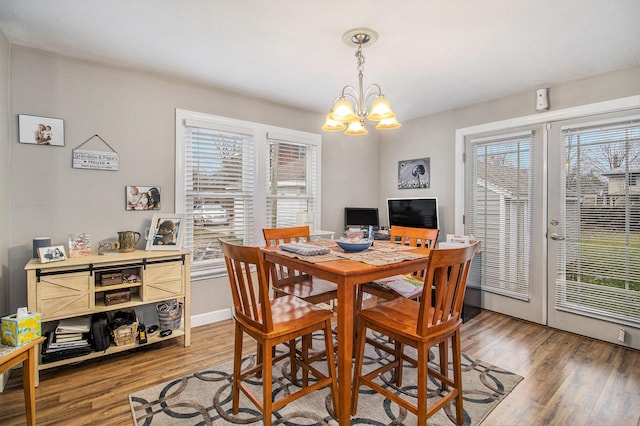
point(311, 259)
point(389, 246)
point(379, 257)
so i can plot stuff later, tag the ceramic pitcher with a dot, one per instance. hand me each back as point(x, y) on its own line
point(128, 240)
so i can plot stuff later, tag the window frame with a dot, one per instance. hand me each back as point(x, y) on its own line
point(311, 195)
point(261, 152)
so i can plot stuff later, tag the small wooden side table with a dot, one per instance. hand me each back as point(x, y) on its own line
point(25, 354)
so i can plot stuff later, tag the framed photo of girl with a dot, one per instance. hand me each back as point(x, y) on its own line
point(41, 130)
point(166, 232)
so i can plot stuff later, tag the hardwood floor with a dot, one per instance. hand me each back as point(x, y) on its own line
point(569, 379)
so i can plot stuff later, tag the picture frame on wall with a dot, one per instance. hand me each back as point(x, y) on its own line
point(36, 130)
point(142, 197)
point(414, 173)
point(51, 254)
point(166, 232)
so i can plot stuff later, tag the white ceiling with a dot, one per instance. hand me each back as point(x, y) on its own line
point(432, 55)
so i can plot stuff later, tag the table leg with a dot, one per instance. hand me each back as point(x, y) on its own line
point(346, 295)
point(28, 383)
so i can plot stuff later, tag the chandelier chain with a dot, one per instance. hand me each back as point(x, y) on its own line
point(360, 56)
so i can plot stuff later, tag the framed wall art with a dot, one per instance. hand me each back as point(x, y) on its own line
point(142, 197)
point(166, 232)
point(414, 173)
point(40, 130)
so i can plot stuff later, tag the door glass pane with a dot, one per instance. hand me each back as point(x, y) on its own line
point(501, 181)
point(599, 260)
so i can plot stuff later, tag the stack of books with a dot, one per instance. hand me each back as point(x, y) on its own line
point(405, 285)
point(69, 339)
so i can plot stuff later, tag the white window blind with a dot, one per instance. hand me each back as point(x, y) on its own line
point(599, 260)
point(235, 177)
point(499, 210)
point(292, 181)
point(219, 186)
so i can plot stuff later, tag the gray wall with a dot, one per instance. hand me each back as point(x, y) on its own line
point(5, 173)
point(434, 136)
point(135, 113)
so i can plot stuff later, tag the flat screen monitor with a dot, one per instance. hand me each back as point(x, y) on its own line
point(361, 216)
point(413, 212)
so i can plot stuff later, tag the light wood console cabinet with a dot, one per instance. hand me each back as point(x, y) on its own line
point(73, 287)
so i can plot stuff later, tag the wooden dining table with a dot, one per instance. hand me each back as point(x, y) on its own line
point(348, 274)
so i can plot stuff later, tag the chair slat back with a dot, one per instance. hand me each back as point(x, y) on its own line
point(415, 237)
point(448, 271)
point(276, 236)
point(250, 298)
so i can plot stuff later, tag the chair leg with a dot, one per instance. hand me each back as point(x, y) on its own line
point(237, 362)
point(423, 360)
point(267, 366)
point(443, 348)
point(359, 297)
point(398, 350)
point(292, 361)
point(457, 375)
point(258, 358)
point(306, 344)
point(331, 366)
point(357, 371)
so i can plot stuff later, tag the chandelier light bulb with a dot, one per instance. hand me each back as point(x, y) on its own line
point(333, 125)
point(388, 124)
point(380, 110)
point(342, 111)
point(356, 127)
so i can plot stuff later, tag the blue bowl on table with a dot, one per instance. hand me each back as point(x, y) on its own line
point(353, 246)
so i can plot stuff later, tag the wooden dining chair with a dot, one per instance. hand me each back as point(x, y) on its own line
point(432, 321)
point(289, 282)
point(412, 237)
point(271, 322)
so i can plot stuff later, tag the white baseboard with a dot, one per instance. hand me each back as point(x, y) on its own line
point(210, 317)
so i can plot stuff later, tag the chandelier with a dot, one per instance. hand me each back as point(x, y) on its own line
point(350, 108)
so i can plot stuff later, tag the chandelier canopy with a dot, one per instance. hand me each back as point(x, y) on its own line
point(350, 108)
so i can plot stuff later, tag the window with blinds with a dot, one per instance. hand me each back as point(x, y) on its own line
point(235, 177)
point(219, 190)
point(600, 257)
point(500, 186)
point(292, 186)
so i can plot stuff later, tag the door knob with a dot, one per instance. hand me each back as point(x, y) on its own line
point(556, 237)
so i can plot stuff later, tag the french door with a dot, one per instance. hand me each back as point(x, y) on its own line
point(555, 200)
point(504, 202)
point(593, 227)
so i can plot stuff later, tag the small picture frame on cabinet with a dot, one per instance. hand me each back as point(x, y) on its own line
point(51, 254)
point(166, 232)
point(79, 245)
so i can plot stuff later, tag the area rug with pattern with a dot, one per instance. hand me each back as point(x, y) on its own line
point(204, 398)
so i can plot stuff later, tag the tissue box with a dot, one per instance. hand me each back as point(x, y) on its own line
point(16, 332)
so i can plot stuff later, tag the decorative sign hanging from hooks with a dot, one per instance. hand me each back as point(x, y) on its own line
point(96, 160)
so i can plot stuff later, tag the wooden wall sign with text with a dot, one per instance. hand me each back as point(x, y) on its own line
point(95, 160)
